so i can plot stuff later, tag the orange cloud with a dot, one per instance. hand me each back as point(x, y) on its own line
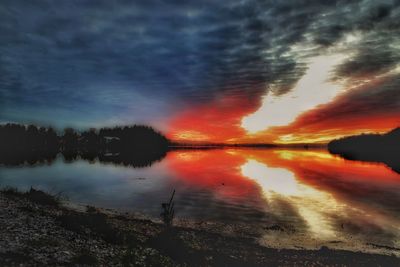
point(367, 107)
point(218, 121)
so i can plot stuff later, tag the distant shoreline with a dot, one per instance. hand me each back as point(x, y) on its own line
point(384, 148)
point(211, 146)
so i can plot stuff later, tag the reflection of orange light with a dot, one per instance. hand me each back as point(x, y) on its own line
point(216, 167)
point(312, 164)
point(320, 188)
point(280, 183)
point(357, 185)
point(217, 171)
point(188, 156)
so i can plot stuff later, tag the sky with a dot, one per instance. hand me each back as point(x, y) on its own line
point(204, 71)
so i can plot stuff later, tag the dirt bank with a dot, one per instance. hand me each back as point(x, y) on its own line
point(38, 230)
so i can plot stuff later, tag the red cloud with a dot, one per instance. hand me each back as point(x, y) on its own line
point(218, 121)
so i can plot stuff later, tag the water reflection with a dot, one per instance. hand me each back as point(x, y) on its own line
point(286, 197)
point(278, 184)
point(322, 197)
point(138, 159)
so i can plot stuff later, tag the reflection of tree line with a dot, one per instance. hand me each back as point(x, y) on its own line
point(370, 147)
point(136, 146)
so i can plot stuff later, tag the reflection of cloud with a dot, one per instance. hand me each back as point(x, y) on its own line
point(321, 196)
point(189, 157)
point(216, 171)
point(358, 201)
point(312, 205)
point(276, 180)
point(314, 155)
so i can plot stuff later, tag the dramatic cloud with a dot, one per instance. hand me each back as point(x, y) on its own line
point(88, 63)
point(311, 90)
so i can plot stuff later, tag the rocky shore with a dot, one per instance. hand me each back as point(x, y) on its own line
point(37, 229)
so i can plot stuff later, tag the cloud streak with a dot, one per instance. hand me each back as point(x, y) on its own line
point(311, 90)
point(85, 62)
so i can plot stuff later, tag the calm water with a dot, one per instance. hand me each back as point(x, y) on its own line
point(287, 197)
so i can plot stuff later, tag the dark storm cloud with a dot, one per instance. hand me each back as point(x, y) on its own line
point(378, 24)
point(368, 62)
point(90, 60)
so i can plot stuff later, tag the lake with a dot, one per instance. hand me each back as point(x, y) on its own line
point(284, 197)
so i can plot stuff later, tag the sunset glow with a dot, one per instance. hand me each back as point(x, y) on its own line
point(319, 107)
point(216, 122)
point(210, 133)
point(229, 80)
point(191, 136)
point(316, 111)
point(312, 89)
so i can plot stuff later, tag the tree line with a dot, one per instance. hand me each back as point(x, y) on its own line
point(135, 145)
point(370, 147)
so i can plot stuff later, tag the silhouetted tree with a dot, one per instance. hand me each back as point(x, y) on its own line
point(370, 147)
point(130, 145)
point(20, 144)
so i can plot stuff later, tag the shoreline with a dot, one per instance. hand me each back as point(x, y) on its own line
point(39, 230)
